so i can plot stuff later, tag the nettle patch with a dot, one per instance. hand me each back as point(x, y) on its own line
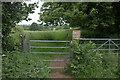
point(89, 64)
point(23, 65)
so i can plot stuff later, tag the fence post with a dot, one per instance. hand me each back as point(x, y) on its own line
point(24, 44)
point(109, 46)
point(71, 52)
point(29, 47)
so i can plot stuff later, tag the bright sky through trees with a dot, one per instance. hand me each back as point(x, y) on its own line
point(33, 16)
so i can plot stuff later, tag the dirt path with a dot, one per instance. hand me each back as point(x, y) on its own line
point(58, 73)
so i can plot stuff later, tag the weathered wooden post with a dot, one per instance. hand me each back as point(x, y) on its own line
point(76, 34)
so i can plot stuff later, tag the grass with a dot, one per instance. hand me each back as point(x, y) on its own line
point(48, 35)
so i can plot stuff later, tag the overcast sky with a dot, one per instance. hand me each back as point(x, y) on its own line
point(33, 16)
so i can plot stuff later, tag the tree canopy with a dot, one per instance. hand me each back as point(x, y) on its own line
point(13, 13)
point(103, 17)
point(34, 26)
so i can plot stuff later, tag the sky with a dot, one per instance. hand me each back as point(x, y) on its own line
point(33, 16)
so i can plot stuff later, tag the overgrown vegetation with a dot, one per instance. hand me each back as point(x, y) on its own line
point(23, 65)
point(93, 19)
point(13, 13)
point(89, 64)
point(102, 17)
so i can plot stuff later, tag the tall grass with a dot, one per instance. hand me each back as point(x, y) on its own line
point(48, 35)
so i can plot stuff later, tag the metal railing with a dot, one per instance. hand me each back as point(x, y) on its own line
point(49, 41)
point(108, 42)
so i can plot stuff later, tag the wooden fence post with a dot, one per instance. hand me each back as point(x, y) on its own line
point(76, 34)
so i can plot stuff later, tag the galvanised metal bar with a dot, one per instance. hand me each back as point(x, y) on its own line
point(105, 53)
point(46, 41)
point(32, 47)
point(52, 60)
point(105, 49)
point(101, 45)
point(115, 53)
point(104, 39)
point(51, 52)
point(97, 39)
point(115, 44)
point(47, 47)
point(29, 47)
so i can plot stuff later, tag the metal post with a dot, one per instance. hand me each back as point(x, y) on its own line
point(71, 52)
point(29, 47)
point(24, 45)
point(109, 46)
point(66, 45)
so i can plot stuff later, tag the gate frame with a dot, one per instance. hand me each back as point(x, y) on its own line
point(30, 47)
point(107, 40)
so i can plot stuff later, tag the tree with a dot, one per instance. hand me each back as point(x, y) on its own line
point(40, 27)
point(66, 26)
point(34, 26)
point(102, 17)
point(58, 27)
point(13, 13)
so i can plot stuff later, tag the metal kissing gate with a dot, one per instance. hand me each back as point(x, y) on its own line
point(54, 53)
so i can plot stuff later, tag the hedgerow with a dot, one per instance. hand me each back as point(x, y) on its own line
point(89, 64)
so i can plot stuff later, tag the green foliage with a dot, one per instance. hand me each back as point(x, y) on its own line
point(34, 26)
point(58, 27)
point(99, 17)
point(48, 35)
point(92, 34)
point(26, 27)
point(0, 41)
point(66, 27)
point(13, 13)
point(13, 41)
point(23, 65)
point(89, 64)
point(9, 44)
